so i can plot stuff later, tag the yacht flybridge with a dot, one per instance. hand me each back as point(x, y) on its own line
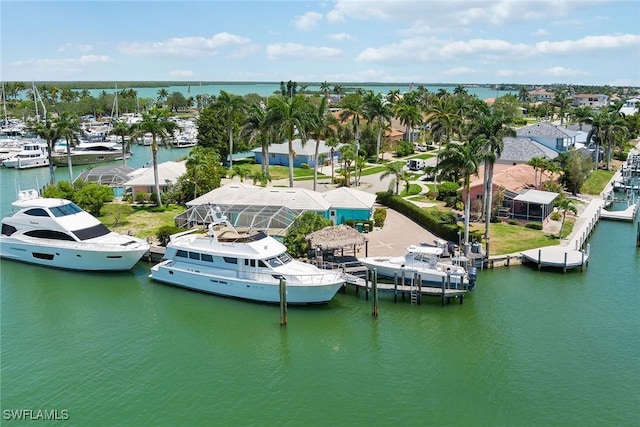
point(242, 265)
point(58, 233)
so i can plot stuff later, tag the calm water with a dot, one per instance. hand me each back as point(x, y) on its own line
point(526, 348)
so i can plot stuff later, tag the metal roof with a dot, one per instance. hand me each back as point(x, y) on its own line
point(536, 196)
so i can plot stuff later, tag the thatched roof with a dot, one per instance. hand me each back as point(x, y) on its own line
point(336, 237)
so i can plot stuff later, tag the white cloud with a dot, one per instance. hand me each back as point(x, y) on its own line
point(458, 71)
point(540, 32)
point(179, 74)
point(75, 47)
point(590, 43)
point(307, 22)
point(185, 46)
point(298, 51)
point(563, 72)
point(340, 36)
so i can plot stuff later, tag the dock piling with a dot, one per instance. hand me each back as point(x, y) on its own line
point(283, 301)
point(395, 286)
point(374, 289)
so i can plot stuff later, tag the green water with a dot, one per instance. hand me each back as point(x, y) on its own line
point(526, 348)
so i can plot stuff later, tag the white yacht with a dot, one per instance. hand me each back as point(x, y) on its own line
point(57, 233)
point(32, 155)
point(242, 265)
point(422, 260)
point(87, 153)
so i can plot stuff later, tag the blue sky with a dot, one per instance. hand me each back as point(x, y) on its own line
point(525, 42)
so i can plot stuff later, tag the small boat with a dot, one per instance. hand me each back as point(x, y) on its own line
point(87, 153)
point(242, 265)
point(424, 261)
point(57, 233)
point(32, 155)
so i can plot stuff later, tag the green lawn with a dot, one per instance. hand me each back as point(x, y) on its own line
point(142, 222)
point(596, 182)
point(507, 238)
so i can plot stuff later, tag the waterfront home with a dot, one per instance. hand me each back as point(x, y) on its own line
point(304, 154)
point(590, 100)
point(143, 181)
point(555, 137)
point(522, 150)
point(276, 208)
point(630, 107)
point(541, 95)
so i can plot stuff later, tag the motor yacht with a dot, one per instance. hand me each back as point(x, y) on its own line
point(58, 233)
point(242, 265)
point(32, 155)
point(421, 260)
point(87, 153)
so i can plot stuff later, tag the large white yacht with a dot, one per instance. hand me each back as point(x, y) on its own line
point(87, 153)
point(57, 233)
point(32, 155)
point(242, 265)
point(424, 261)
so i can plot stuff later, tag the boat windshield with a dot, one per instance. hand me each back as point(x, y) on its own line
point(279, 260)
point(91, 232)
point(64, 210)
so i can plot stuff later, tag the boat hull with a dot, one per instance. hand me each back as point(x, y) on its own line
point(427, 275)
point(252, 287)
point(25, 163)
point(87, 159)
point(72, 255)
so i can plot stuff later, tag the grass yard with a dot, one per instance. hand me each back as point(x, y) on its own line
point(141, 221)
point(596, 182)
point(508, 238)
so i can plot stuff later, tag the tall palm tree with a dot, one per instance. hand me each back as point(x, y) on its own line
point(288, 115)
point(256, 128)
point(562, 101)
point(231, 106)
point(491, 126)
point(49, 132)
point(537, 163)
point(321, 126)
point(125, 131)
point(163, 94)
point(155, 122)
point(409, 115)
point(582, 115)
point(441, 117)
point(325, 87)
point(463, 159)
point(69, 128)
point(332, 142)
point(377, 109)
point(394, 170)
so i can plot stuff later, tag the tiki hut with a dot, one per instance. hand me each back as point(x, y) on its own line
point(331, 238)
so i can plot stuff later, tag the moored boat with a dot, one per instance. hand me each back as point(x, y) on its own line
point(424, 261)
point(87, 153)
point(242, 265)
point(57, 233)
point(32, 155)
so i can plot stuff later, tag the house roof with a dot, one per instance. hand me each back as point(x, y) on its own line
point(240, 194)
point(544, 130)
point(536, 196)
point(307, 150)
point(521, 150)
point(511, 178)
point(167, 171)
point(344, 197)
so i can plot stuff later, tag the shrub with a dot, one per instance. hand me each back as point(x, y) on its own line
point(512, 222)
point(164, 233)
point(92, 197)
point(142, 197)
point(304, 165)
point(555, 215)
point(534, 225)
point(379, 216)
point(448, 189)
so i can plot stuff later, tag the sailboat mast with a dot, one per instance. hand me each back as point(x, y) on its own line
point(35, 99)
point(4, 105)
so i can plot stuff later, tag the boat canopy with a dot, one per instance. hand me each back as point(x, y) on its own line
point(425, 250)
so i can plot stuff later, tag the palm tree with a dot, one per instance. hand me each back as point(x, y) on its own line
point(230, 107)
point(124, 130)
point(565, 204)
point(523, 94)
point(490, 125)
point(394, 170)
point(288, 115)
point(562, 101)
point(256, 128)
point(537, 163)
point(352, 109)
point(441, 117)
point(377, 109)
point(321, 123)
point(463, 159)
point(606, 126)
point(49, 132)
point(348, 155)
point(69, 128)
point(325, 87)
point(163, 94)
point(409, 115)
point(332, 142)
point(582, 115)
point(155, 122)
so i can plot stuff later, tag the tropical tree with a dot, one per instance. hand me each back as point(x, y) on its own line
point(409, 116)
point(332, 142)
point(325, 87)
point(257, 129)
point(125, 131)
point(523, 94)
point(321, 126)
point(565, 205)
point(49, 132)
point(155, 123)
point(463, 159)
point(230, 106)
point(288, 115)
point(562, 102)
point(68, 128)
point(537, 163)
point(490, 126)
point(582, 115)
point(348, 155)
point(441, 117)
point(352, 109)
point(607, 127)
point(576, 170)
point(163, 94)
point(377, 109)
point(394, 170)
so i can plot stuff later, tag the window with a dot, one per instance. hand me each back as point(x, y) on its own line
point(64, 210)
point(194, 255)
point(182, 254)
point(206, 257)
point(91, 232)
point(8, 230)
point(230, 260)
point(36, 212)
point(49, 234)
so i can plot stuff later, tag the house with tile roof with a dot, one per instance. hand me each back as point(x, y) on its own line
point(555, 137)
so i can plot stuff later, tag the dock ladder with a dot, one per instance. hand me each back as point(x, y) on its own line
point(415, 289)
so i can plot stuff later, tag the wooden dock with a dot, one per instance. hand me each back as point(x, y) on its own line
point(628, 214)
